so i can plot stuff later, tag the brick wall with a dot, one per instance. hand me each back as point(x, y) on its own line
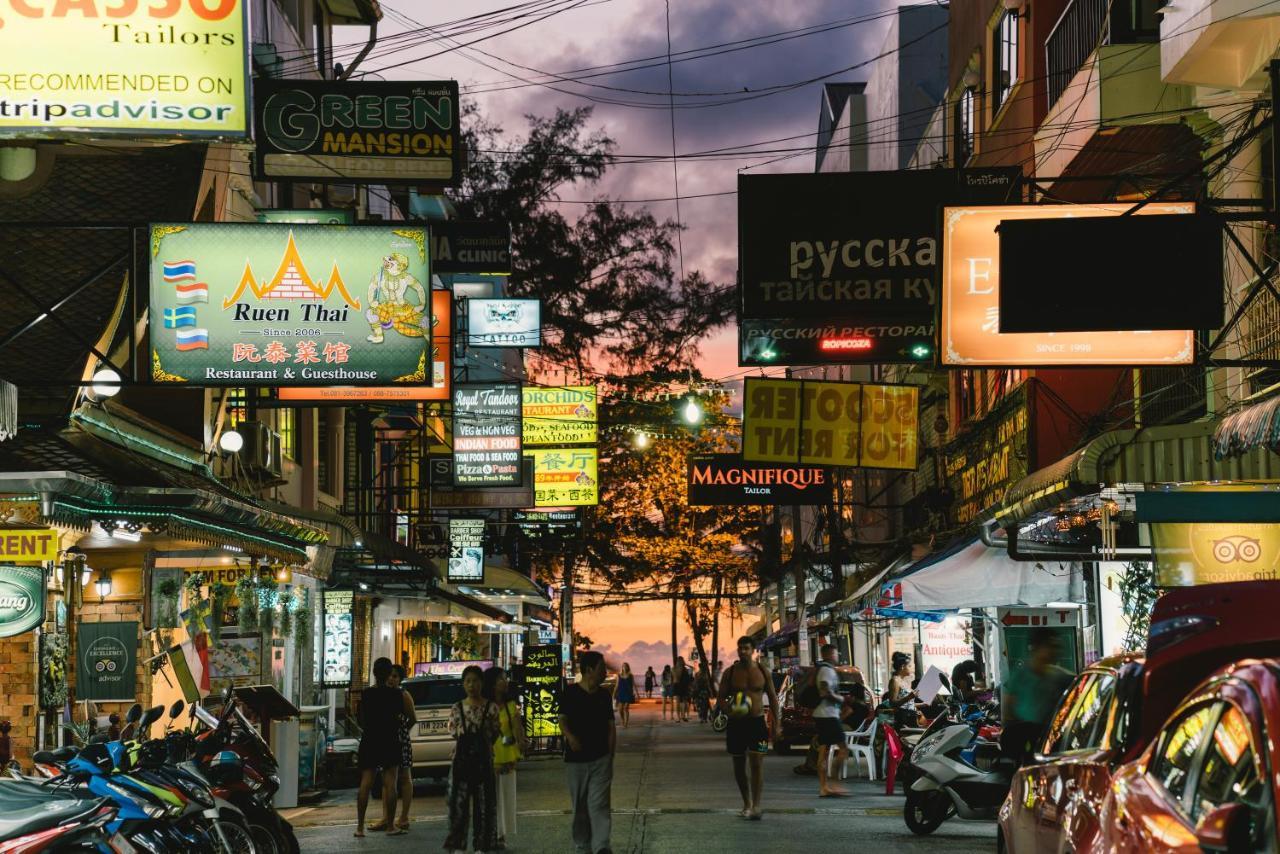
point(17, 699)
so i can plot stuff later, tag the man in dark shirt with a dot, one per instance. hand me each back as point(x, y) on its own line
point(586, 719)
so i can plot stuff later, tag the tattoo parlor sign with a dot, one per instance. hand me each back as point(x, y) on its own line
point(259, 304)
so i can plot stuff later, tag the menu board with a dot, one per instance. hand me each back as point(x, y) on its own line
point(543, 684)
point(336, 652)
point(486, 434)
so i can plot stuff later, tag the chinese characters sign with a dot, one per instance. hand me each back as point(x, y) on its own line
point(486, 435)
point(831, 423)
point(543, 683)
point(260, 304)
point(565, 477)
point(335, 654)
point(560, 416)
point(137, 69)
point(466, 550)
point(971, 334)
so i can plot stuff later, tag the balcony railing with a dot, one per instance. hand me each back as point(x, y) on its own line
point(1086, 25)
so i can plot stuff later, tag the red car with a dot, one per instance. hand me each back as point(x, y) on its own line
point(1111, 713)
point(1209, 780)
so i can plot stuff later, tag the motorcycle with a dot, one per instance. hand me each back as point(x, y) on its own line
point(956, 769)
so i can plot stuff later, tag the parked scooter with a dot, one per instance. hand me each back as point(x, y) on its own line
point(956, 772)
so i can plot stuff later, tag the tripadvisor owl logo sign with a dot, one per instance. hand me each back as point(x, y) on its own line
point(107, 662)
point(21, 599)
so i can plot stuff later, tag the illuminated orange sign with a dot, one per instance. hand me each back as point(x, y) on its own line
point(441, 368)
point(971, 299)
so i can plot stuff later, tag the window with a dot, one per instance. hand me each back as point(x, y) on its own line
point(1005, 54)
point(1230, 772)
point(287, 427)
point(1089, 719)
point(322, 47)
point(964, 128)
point(1178, 748)
point(325, 443)
point(237, 407)
point(1055, 741)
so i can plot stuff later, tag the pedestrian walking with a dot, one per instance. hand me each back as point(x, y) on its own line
point(474, 722)
point(586, 719)
point(1030, 695)
point(826, 720)
point(742, 691)
point(649, 679)
point(508, 749)
point(626, 694)
point(702, 693)
point(404, 781)
point(380, 710)
point(668, 692)
point(682, 679)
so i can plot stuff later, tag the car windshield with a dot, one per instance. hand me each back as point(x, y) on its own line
point(435, 692)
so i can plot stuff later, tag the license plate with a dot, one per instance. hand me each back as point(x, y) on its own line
point(120, 845)
point(432, 727)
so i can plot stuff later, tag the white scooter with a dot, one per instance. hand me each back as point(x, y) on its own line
point(959, 775)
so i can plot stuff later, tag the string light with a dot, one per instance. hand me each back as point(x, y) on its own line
point(692, 412)
point(641, 441)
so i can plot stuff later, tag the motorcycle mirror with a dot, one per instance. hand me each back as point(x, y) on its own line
point(176, 708)
point(135, 712)
point(152, 715)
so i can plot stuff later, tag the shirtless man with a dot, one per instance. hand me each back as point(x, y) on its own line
point(747, 737)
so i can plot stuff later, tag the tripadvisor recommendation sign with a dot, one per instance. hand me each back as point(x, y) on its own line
point(21, 599)
point(108, 659)
point(830, 423)
point(560, 415)
point(236, 304)
point(166, 68)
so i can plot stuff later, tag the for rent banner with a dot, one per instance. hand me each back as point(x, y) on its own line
point(235, 304)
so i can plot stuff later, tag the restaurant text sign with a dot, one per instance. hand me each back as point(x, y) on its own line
point(560, 415)
point(486, 434)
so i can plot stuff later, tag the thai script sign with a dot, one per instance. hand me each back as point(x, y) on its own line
point(21, 599)
point(124, 68)
point(364, 132)
point(258, 304)
point(728, 479)
point(830, 423)
point(33, 544)
point(971, 335)
point(560, 415)
point(486, 435)
point(565, 477)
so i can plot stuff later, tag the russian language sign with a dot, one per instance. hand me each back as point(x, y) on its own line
point(971, 335)
point(368, 131)
point(810, 342)
point(122, 67)
point(236, 304)
point(466, 550)
point(107, 661)
point(21, 599)
point(565, 477)
point(486, 435)
point(543, 684)
point(441, 368)
point(728, 479)
point(560, 415)
point(504, 323)
point(35, 544)
point(830, 423)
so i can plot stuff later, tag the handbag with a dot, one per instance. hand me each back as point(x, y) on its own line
point(473, 757)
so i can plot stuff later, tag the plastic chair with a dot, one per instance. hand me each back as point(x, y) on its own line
point(859, 745)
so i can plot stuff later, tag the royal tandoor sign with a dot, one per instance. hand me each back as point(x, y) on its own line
point(727, 479)
point(236, 304)
point(135, 68)
point(21, 599)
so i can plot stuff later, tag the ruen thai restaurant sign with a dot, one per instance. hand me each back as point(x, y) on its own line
point(560, 415)
point(970, 280)
point(236, 304)
point(98, 68)
point(22, 597)
point(1191, 553)
point(830, 423)
point(543, 686)
point(486, 434)
point(369, 131)
point(981, 465)
point(728, 479)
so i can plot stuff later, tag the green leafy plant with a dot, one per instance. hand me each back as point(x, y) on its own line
point(1138, 594)
point(286, 615)
point(218, 596)
point(302, 619)
point(268, 596)
point(247, 613)
point(166, 602)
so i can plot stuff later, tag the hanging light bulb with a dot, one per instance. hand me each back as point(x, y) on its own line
point(692, 412)
point(641, 441)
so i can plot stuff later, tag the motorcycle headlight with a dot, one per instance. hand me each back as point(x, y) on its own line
point(925, 748)
point(196, 792)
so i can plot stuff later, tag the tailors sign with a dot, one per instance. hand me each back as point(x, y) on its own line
point(257, 304)
point(728, 479)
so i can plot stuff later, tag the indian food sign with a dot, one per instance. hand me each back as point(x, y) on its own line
point(236, 304)
point(560, 415)
point(831, 423)
point(155, 68)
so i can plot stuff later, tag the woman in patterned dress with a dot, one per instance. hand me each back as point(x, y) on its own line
point(474, 722)
point(407, 720)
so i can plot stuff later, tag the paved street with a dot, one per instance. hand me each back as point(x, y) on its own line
point(673, 792)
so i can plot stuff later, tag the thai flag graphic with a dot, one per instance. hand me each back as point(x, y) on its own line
point(178, 317)
point(179, 271)
point(191, 292)
point(193, 339)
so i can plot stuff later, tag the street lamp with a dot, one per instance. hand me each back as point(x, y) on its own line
point(692, 412)
point(103, 585)
point(106, 383)
point(231, 441)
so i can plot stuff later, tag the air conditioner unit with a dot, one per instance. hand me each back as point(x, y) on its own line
point(261, 452)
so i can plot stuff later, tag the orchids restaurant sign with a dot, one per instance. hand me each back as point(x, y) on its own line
point(727, 479)
point(136, 68)
point(370, 131)
point(831, 423)
point(259, 304)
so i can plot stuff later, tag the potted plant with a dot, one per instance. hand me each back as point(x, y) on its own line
point(166, 602)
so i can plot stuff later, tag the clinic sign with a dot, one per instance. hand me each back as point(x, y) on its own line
point(970, 285)
point(560, 415)
point(173, 68)
point(1191, 553)
point(21, 599)
point(831, 423)
point(236, 304)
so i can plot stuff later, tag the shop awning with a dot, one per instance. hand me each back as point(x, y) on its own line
point(503, 581)
point(494, 613)
point(1179, 453)
point(780, 638)
point(973, 575)
point(1250, 428)
point(756, 628)
point(854, 599)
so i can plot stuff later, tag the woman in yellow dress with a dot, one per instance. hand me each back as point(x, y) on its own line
point(508, 749)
